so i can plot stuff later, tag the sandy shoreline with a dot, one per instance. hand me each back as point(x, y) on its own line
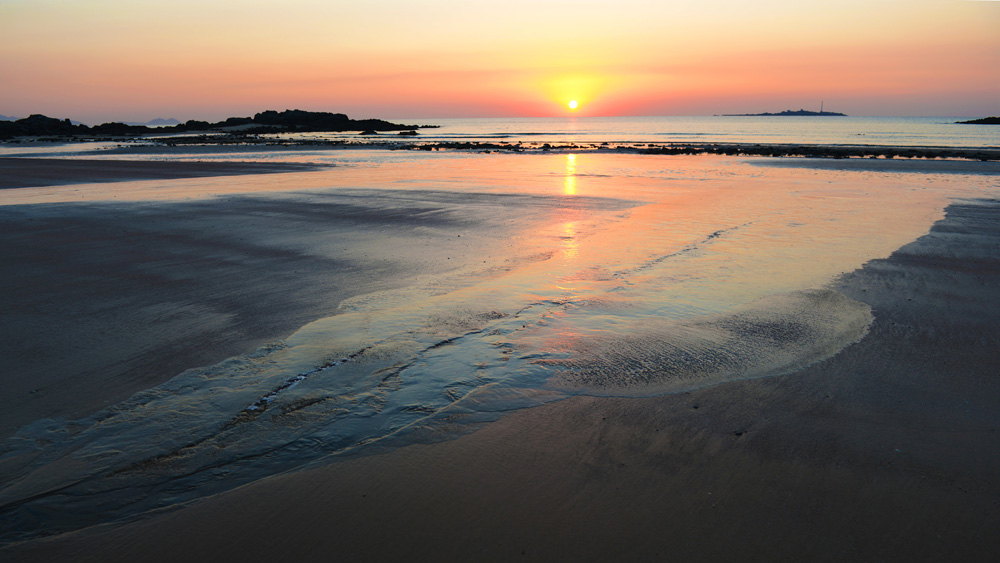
point(884, 452)
point(17, 172)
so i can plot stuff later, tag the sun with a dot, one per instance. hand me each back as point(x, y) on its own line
point(572, 104)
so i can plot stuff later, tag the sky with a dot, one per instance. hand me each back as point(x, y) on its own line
point(135, 60)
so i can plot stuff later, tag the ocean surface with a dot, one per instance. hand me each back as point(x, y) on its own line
point(893, 131)
point(878, 131)
point(575, 274)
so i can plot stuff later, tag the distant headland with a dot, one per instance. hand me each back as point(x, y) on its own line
point(983, 121)
point(292, 120)
point(789, 112)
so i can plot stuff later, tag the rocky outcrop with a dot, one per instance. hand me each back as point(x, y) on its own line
point(118, 129)
point(38, 124)
point(265, 122)
point(298, 120)
point(983, 121)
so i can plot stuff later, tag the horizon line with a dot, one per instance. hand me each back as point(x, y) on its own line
point(567, 117)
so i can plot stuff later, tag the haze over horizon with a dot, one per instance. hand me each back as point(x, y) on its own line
point(112, 60)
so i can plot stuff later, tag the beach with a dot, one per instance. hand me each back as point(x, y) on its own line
point(111, 298)
point(873, 442)
point(21, 172)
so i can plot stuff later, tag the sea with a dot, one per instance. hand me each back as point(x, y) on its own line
point(828, 130)
point(832, 130)
point(531, 278)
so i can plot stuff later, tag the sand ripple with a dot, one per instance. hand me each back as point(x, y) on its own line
point(773, 336)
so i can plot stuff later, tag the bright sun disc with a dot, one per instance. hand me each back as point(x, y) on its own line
point(572, 104)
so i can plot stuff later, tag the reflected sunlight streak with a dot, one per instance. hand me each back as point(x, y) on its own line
point(569, 186)
point(570, 245)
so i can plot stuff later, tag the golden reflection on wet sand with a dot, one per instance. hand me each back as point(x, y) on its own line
point(569, 187)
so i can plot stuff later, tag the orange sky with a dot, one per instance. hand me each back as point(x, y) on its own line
point(102, 60)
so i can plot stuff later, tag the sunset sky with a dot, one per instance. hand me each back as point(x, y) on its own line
point(130, 60)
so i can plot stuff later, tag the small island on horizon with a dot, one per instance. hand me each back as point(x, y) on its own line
point(789, 112)
point(983, 121)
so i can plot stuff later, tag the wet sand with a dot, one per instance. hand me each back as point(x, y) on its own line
point(884, 452)
point(34, 172)
point(928, 166)
point(104, 299)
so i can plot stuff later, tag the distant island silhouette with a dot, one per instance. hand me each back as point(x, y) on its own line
point(983, 121)
point(788, 112)
point(270, 121)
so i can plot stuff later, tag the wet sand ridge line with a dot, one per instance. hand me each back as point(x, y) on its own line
point(18, 172)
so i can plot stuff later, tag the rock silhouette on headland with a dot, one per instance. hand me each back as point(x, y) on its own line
point(264, 122)
point(983, 121)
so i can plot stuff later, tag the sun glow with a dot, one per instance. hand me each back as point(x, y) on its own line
point(642, 58)
point(573, 93)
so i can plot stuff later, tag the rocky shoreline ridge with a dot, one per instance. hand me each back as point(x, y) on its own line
point(664, 148)
point(983, 121)
point(264, 122)
point(403, 142)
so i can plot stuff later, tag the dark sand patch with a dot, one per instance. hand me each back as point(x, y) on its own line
point(36, 172)
point(885, 452)
point(920, 166)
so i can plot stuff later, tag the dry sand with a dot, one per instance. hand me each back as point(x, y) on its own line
point(885, 452)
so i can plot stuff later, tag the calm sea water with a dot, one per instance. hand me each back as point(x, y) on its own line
point(886, 131)
point(895, 131)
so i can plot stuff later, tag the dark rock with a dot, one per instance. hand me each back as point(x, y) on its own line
point(118, 129)
point(268, 122)
point(36, 125)
point(193, 125)
point(983, 121)
point(237, 121)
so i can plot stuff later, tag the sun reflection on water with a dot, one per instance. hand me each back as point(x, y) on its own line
point(569, 186)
